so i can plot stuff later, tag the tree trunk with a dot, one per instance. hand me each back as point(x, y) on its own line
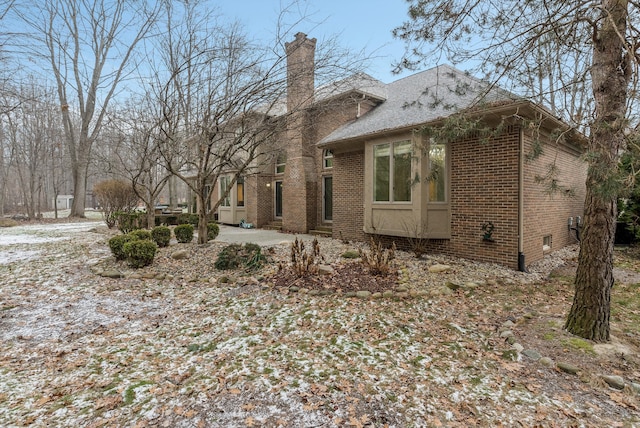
point(79, 192)
point(589, 314)
point(203, 237)
point(151, 214)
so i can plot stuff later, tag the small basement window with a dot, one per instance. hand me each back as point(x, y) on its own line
point(546, 244)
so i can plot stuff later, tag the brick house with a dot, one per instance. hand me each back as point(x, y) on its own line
point(355, 160)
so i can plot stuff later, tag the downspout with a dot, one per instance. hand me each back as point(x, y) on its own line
point(522, 267)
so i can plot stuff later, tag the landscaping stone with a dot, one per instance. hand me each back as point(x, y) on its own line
point(470, 286)
point(294, 289)
point(616, 382)
point(438, 268)
point(508, 324)
point(363, 294)
point(532, 354)
point(348, 294)
point(402, 289)
point(325, 270)
point(511, 340)
point(635, 387)
point(180, 255)
point(506, 333)
point(402, 295)
point(112, 273)
point(149, 275)
point(387, 294)
point(314, 292)
point(546, 361)
point(518, 347)
point(376, 295)
point(568, 368)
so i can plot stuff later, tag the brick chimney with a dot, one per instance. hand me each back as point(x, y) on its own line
point(300, 71)
point(299, 211)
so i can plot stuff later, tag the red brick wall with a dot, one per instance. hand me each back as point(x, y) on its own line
point(259, 199)
point(483, 188)
point(348, 191)
point(546, 212)
point(326, 118)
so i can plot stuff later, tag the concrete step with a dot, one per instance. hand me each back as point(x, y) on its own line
point(274, 225)
point(324, 231)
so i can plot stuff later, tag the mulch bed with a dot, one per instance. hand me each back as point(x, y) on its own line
point(346, 277)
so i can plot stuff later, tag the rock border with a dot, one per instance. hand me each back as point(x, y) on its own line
point(505, 332)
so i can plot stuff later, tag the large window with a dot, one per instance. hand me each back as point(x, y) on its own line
point(392, 172)
point(225, 181)
point(437, 172)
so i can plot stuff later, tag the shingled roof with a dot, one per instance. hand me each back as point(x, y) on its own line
point(418, 99)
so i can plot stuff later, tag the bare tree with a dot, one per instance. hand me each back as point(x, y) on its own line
point(224, 100)
point(595, 45)
point(138, 153)
point(89, 46)
point(30, 128)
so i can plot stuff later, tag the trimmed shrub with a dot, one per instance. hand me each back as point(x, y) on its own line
point(142, 234)
point(140, 253)
point(235, 255)
point(128, 221)
point(184, 233)
point(212, 231)
point(161, 236)
point(188, 218)
point(116, 244)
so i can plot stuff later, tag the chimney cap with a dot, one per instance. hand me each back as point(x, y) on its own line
point(300, 38)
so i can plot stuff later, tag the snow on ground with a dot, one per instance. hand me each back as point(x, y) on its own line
point(77, 349)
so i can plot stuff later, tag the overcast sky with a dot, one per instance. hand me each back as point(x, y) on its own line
point(361, 24)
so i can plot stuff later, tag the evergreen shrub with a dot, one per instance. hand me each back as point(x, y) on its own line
point(140, 253)
point(184, 233)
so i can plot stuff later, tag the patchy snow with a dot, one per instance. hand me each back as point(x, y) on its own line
point(79, 349)
point(10, 256)
point(27, 239)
